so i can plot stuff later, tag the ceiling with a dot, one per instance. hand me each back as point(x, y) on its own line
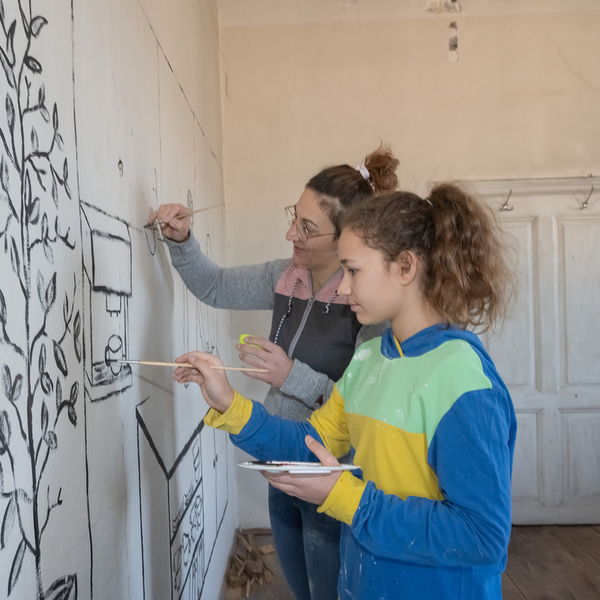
point(245, 13)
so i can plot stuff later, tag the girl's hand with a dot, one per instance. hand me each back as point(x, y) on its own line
point(269, 356)
point(213, 382)
point(311, 488)
point(175, 229)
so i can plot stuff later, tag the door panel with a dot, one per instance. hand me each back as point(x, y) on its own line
point(548, 352)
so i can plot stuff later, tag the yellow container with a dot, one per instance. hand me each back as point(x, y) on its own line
point(244, 336)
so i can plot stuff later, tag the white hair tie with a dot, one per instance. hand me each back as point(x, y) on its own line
point(363, 171)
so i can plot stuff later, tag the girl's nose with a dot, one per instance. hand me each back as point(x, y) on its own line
point(344, 289)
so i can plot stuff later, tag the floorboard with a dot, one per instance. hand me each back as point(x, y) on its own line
point(544, 563)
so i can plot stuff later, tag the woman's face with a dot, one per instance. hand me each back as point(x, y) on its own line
point(317, 252)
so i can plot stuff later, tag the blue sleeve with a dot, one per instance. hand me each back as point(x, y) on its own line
point(268, 437)
point(471, 453)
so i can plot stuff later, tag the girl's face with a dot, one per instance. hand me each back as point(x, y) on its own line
point(317, 252)
point(374, 288)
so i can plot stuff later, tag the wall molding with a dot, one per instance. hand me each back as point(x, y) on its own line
point(534, 187)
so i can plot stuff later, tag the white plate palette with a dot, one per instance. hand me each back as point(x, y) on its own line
point(299, 468)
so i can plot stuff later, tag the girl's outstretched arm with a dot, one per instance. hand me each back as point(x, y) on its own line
point(213, 382)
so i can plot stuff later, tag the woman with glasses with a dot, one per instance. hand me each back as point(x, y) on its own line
point(313, 336)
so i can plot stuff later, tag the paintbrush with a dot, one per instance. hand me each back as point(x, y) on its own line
point(174, 364)
point(179, 216)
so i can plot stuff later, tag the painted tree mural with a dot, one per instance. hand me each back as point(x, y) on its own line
point(40, 314)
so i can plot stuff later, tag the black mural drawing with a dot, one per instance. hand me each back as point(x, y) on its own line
point(186, 495)
point(107, 289)
point(65, 296)
point(187, 501)
point(40, 322)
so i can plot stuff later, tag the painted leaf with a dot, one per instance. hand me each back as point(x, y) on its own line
point(8, 521)
point(2, 172)
point(55, 117)
point(10, 44)
point(7, 382)
point(72, 415)
point(10, 76)
point(41, 285)
point(65, 170)
point(51, 439)
point(15, 258)
point(2, 308)
point(48, 252)
point(63, 589)
point(33, 213)
point(4, 431)
point(15, 569)
point(51, 292)
point(35, 142)
point(46, 383)
point(41, 95)
point(66, 308)
point(17, 387)
point(74, 393)
point(45, 226)
point(33, 64)
point(54, 191)
point(44, 418)
point(58, 389)
point(10, 113)
point(42, 360)
point(36, 25)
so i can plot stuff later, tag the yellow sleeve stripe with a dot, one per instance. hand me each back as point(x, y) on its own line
point(234, 418)
point(330, 423)
point(344, 498)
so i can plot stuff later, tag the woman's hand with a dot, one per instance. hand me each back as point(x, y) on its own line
point(173, 228)
point(310, 488)
point(269, 356)
point(213, 382)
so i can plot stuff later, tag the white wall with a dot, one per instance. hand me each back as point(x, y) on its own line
point(310, 84)
point(111, 487)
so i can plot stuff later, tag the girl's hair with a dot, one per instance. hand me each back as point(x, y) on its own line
point(465, 255)
point(342, 186)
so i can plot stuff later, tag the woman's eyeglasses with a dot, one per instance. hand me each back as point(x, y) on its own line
point(301, 230)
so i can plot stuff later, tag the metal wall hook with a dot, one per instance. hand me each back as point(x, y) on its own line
point(585, 204)
point(505, 206)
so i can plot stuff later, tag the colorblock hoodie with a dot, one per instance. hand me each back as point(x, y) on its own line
point(433, 428)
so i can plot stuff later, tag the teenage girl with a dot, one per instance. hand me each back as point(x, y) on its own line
point(313, 336)
point(422, 408)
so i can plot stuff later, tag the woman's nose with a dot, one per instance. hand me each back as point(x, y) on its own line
point(292, 234)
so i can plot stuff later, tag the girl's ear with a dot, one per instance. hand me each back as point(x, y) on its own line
point(407, 263)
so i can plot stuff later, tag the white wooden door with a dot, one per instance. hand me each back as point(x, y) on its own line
point(549, 352)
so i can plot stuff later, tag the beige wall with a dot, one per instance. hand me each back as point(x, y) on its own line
point(521, 102)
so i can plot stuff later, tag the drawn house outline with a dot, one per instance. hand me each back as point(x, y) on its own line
point(179, 528)
point(107, 290)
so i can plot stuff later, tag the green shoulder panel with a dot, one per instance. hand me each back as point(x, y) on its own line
point(412, 393)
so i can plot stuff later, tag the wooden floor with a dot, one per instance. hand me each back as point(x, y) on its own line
point(553, 563)
point(544, 563)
